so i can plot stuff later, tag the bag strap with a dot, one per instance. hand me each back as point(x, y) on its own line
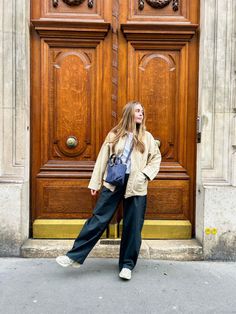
point(130, 152)
point(113, 154)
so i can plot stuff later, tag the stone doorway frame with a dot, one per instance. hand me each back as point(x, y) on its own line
point(216, 154)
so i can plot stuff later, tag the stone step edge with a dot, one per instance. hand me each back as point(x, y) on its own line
point(185, 250)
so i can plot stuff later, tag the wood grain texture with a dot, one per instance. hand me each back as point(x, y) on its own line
point(168, 199)
point(69, 97)
point(83, 11)
point(160, 54)
point(188, 11)
point(86, 63)
point(63, 198)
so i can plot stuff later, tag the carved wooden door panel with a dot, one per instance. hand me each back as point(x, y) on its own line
point(70, 109)
point(160, 53)
point(88, 58)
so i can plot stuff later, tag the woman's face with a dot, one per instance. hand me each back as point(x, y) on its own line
point(138, 113)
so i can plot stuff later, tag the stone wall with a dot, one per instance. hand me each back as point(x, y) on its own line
point(14, 125)
point(216, 155)
point(216, 183)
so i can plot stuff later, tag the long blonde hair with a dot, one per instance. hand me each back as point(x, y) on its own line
point(127, 123)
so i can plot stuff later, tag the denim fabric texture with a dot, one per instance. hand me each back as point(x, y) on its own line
point(133, 219)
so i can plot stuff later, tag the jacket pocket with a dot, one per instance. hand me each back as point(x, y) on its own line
point(140, 183)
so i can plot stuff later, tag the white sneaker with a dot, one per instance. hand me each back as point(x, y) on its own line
point(125, 273)
point(65, 261)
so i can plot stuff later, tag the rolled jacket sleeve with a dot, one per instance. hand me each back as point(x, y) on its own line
point(154, 160)
point(96, 180)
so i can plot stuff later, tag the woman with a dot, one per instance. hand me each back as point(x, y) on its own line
point(130, 140)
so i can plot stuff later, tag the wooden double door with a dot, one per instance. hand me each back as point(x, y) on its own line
point(88, 58)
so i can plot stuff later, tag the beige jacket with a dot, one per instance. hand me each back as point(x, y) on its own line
point(147, 163)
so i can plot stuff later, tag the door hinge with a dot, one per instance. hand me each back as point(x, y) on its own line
point(199, 129)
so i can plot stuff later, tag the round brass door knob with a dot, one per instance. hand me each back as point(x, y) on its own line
point(71, 142)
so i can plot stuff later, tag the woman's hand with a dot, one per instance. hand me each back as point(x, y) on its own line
point(93, 192)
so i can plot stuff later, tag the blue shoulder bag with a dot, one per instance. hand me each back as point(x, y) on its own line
point(116, 169)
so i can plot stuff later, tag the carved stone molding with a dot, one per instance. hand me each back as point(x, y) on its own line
point(216, 79)
point(72, 2)
point(234, 132)
point(159, 4)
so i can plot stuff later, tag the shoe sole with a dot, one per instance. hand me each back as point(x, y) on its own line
point(62, 265)
point(126, 278)
point(75, 265)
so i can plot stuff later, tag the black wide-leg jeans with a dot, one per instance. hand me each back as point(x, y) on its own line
point(133, 218)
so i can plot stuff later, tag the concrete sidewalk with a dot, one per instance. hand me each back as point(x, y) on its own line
point(41, 286)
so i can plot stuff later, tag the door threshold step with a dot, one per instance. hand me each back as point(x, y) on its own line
point(180, 250)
